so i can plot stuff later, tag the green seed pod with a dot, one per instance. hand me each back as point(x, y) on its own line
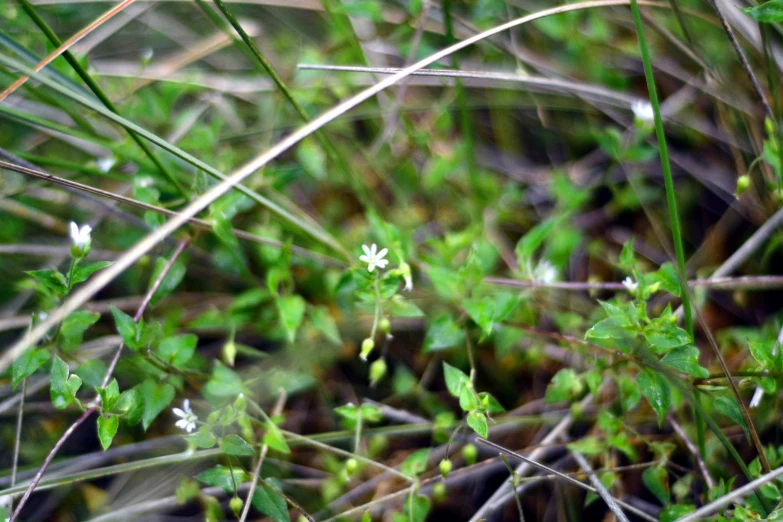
point(384, 325)
point(236, 505)
point(439, 492)
point(377, 371)
point(445, 467)
point(470, 454)
point(367, 347)
point(743, 184)
point(351, 465)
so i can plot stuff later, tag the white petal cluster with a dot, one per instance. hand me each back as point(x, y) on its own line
point(80, 236)
point(373, 257)
point(643, 111)
point(187, 419)
point(630, 284)
point(545, 272)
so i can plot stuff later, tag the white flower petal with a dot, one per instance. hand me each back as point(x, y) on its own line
point(187, 405)
point(74, 231)
point(182, 423)
point(366, 249)
point(179, 413)
point(382, 253)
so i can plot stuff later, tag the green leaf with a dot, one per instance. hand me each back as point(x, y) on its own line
point(663, 336)
point(416, 463)
point(630, 394)
point(564, 386)
point(51, 279)
point(657, 481)
point(455, 379)
point(589, 446)
point(269, 502)
point(203, 438)
point(170, 282)
point(491, 403)
point(398, 306)
point(62, 387)
point(131, 404)
point(27, 363)
point(292, 309)
point(667, 277)
point(156, 398)
point(361, 8)
point(533, 239)
point(324, 323)
point(73, 328)
point(478, 421)
point(416, 507)
point(482, 311)
point(676, 511)
point(235, 445)
point(275, 439)
point(83, 272)
point(107, 428)
point(224, 384)
point(729, 407)
point(467, 399)
point(767, 12)
point(109, 395)
point(221, 476)
point(685, 359)
point(656, 390)
point(178, 350)
point(443, 333)
point(312, 158)
point(628, 257)
point(126, 327)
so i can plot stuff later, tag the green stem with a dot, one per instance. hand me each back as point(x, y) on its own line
point(665, 166)
point(77, 67)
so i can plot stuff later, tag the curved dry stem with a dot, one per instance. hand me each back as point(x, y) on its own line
point(148, 243)
point(66, 45)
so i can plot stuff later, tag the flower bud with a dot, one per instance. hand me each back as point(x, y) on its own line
point(351, 465)
point(743, 183)
point(470, 454)
point(236, 505)
point(240, 402)
point(384, 325)
point(377, 371)
point(445, 467)
point(439, 492)
point(367, 347)
point(769, 126)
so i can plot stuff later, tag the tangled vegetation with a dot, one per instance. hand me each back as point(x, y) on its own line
point(390, 260)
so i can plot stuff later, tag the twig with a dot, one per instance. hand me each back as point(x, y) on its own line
point(714, 283)
point(278, 409)
point(611, 502)
point(89, 411)
point(564, 477)
point(500, 495)
point(725, 500)
point(693, 449)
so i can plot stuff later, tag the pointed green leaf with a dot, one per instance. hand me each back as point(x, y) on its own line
point(203, 438)
point(73, 328)
point(51, 279)
point(657, 481)
point(170, 282)
point(126, 327)
point(685, 359)
point(236, 445)
point(27, 363)
point(729, 407)
point(60, 387)
point(83, 272)
point(443, 333)
point(275, 439)
point(656, 390)
point(178, 349)
point(269, 502)
point(767, 12)
point(156, 398)
point(107, 428)
point(455, 379)
point(482, 311)
point(478, 421)
point(291, 309)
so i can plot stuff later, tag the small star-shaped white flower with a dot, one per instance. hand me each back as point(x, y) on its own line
point(374, 258)
point(630, 284)
point(80, 236)
point(545, 272)
point(187, 419)
point(643, 111)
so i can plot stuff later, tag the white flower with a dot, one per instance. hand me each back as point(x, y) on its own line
point(105, 164)
point(757, 395)
point(80, 236)
point(405, 268)
point(188, 419)
point(374, 258)
point(146, 54)
point(630, 284)
point(643, 111)
point(545, 272)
